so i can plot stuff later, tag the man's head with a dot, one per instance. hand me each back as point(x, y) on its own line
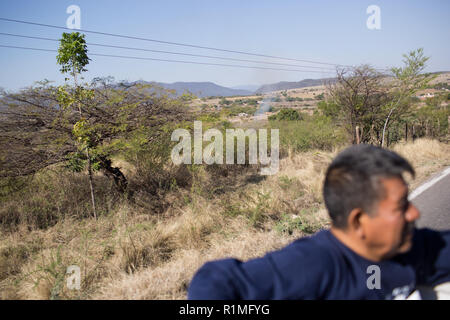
point(367, 199)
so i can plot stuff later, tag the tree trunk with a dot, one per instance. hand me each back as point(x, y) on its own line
point(388, 142)
point(91, 183)
point(120, 181)
point(372, 135)
point(448, 121)
point(358, 141)
point(406, 131)
point(385, 126)
point(438, 126)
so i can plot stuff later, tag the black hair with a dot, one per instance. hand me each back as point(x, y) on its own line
point(353, 180)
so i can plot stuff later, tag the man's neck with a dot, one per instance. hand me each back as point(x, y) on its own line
point(349, 241)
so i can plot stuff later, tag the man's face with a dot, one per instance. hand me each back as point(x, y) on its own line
point(389, 231)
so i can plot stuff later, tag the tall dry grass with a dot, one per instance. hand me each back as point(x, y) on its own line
point(427, 156)
point(131, 253)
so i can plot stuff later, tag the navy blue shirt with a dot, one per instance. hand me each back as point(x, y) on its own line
point(321, 267)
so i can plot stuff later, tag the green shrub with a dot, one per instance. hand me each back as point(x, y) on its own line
point(276, 99)
point(286, 115)
point(302, 222)
point(224, 101)
point(314, 132)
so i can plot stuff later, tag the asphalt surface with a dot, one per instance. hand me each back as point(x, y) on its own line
point(433, 202)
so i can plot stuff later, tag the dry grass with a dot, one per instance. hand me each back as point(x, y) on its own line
point(427, 156)
point(134, 254)
point(170, 280)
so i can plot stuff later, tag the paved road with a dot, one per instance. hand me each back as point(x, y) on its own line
point(433, 200)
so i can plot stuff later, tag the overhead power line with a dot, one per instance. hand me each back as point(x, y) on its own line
point(171, 43)
point(170, 52)
point(167, 60)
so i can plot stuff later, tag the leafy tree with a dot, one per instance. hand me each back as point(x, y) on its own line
point(329, 109)
point(87, 124)
point(35, 132)
point(72, 57)
point(356, 99)
point(408, 80)
point(367, 103)
point(72, 54)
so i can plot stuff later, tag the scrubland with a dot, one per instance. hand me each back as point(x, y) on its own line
point(138, 251)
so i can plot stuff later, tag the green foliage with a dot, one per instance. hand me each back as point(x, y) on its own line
point(313, 132)
point(367, 107)
point(288, 224)
point(441, 86)
point(285, 182)
point(225, 102)
point(232, 210)
point(187, 96)
point(329, 109)
point(252, 102)
point(256, 215)
point(235, 110)
point(72, 53)
point(209, 117)
point(432, 120)
point(50, 196)
point(226, 124)
point(286, 115)
point(75, 162)
point(292, 99)
point(414, 64)
point(54, 273)
point(276, 99)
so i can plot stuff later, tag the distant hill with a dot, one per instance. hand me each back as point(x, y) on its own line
point(248, 87)
point(200, 89)
point(284, 85)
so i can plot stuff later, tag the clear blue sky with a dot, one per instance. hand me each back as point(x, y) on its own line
point(328, 31)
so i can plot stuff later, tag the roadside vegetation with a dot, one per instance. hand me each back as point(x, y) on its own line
point(86, 178)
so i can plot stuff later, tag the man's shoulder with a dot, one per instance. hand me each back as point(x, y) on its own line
point(317, 251)
point(320, 243)
point(428, 246)
point(427, 239)
point(304, 269)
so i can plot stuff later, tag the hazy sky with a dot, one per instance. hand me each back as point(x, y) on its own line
point(326, 31)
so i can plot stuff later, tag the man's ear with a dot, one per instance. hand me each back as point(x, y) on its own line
point(355, 222)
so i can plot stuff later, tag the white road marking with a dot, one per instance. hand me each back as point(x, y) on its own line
point(428, 184)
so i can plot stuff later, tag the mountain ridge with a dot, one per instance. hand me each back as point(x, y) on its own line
point(286, 85)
